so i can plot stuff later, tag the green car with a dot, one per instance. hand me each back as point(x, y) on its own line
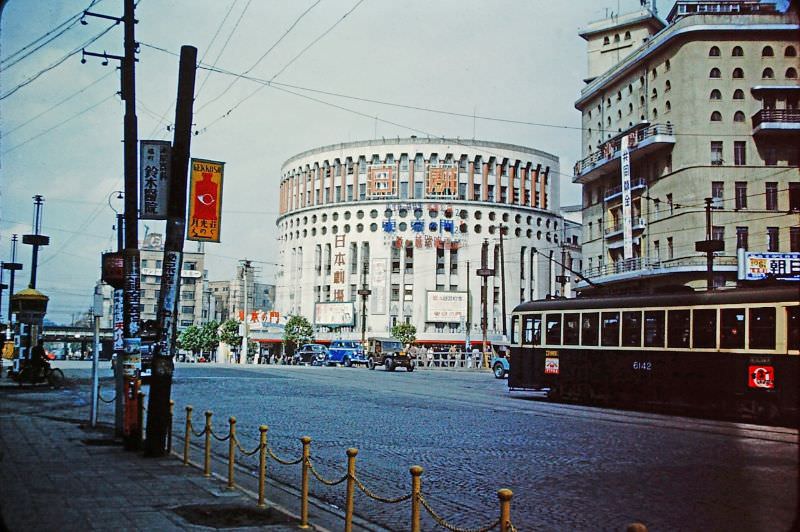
point(389, 353)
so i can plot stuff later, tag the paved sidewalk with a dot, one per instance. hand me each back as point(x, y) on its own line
point(57, 473)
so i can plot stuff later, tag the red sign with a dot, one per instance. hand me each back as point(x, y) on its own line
point(761, 377)
point(205, 200)
point(113, 269)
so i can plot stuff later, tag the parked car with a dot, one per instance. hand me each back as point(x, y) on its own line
point(389, 353)
point(501, 359)
point(311, 354)
point(346, 352)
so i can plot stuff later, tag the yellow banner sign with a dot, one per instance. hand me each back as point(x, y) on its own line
point(205, 201)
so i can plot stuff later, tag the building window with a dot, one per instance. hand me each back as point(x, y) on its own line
point(718, 233)
point(771, 195)
point(409, 259)
point(606, 40)
point(395, 259)
point(767, 73)
point(738, 73)
point(715, 73)
point(772, 239)
point(408, 292)
point(794, 197)
point(439, 261)
point(738, 116)
point(668, 106)
point(716, 152)
point(738, 94)
point(791, 73)
point(794, 239)
point(741, 195)
point(627, 36)
point(767, 52)
point(654, 94)
point(790, 52)
point(737, 51)
point(715, 95)
point(739, 152)
point(670, 248)
point(716, 116)
point(717, 194)
point(741, 238)
point(713, 52)
point(395, 292)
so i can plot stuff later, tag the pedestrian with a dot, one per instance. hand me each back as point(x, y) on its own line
point(413, 353)
point(429, 356)
point(452, 355)
point(476, 355)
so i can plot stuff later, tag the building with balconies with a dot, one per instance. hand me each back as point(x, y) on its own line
point(704, 105)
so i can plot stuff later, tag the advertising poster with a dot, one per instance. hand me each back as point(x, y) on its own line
point(205, 201)
point(334, 314)
point(377, 283)
point(155, 158)
point(447, 307)
point(442, 182)
point(381, 181)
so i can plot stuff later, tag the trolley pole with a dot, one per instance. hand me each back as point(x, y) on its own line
point(503, 281)
point(484, 272)
point(364, 293)
point(709, 246)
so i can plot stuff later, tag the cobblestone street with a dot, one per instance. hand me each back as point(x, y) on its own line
point(570, 467)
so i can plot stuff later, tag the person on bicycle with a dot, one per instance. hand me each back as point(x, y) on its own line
point(38, 360)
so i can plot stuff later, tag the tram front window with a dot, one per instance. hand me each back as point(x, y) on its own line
point(762, 328)
point(678, 328)
point(631, 329)
point(553, 335)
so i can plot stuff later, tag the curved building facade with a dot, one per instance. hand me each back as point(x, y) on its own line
point(407, 220)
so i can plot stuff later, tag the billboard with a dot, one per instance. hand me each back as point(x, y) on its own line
point(442, 182)
point(155, 158)
point(377, 282)
point(381, 181)
point(205, 201)
point(446, 307)
point(334, 314)
point(758, 266)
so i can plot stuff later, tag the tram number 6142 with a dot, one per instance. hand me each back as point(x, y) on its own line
point(643, 366)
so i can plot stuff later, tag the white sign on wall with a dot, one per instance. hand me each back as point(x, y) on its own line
point(377, 283)
point(334, 314)
point(447, 307)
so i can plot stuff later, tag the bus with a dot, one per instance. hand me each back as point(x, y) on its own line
point(726, 353)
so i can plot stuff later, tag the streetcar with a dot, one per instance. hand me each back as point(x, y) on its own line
point(724, 353)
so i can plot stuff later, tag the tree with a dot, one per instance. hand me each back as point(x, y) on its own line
point(229, 334)
point(191, 339)
point(209, 333)
point(298, 331)
point(405, 332)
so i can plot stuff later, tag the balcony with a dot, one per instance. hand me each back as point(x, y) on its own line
point(776, 121)
point(616, 192)
point(642, 140)
point(641, 266)
point(615, 231)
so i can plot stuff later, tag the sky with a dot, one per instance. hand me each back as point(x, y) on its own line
point(61, 128)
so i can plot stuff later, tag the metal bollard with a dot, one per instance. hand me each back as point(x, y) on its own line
point(207, 459)
point(231, 450)
point(505, 509)
point(351, 481)
point(140, 416)
point(187, 435)
point(262, 466)
point(416, 489)
point(169, 427)
point(304, 500)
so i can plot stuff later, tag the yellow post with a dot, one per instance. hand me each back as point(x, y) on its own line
point(416, 489)
point(169, 427)
point(304, 500)
point(187, 436)
point(207, 459)
point(140, 415)
point(351, 484)
point(262, 465)
point(505, 509)
point(231, 450)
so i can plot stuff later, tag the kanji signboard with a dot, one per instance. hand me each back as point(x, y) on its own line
point(154, 168)
point(205, 201)
point(381, 181)
point(442, 182)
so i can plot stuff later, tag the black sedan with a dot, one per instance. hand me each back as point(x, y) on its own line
point(310, 354)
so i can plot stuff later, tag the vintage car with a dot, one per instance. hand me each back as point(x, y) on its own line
point(389, 353)
point(346, 353)
point(501, 358)
point(311, 354)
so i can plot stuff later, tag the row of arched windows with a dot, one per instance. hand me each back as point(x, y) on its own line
point(767, 51)
point(738, 116)
point(607, 39)
point(767, 73)
point(738, 94)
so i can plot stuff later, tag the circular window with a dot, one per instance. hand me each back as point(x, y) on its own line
point(373, 214)
point(448, 212)
point(346, 228)
point(313, 231)
point(529, 233)
point(305, 220)
point(505, 216)
point(433, 213)
point(335, 216)
point(548, 237)
point(478, 228)
point(335, 229)
point(463, 214)
point(538, 235)
point(314, 219)
point(324, 217)
point(462, 228)
point(402, 226)
point(555, 225)
point(360, 228)
point(433, 227)
point(518, 218)
point(538, 222)
point(530, 220)
point(305, 233)
point(555, 238)
point(492, 216)
point(373, 227)
point(360, 215)
point(491, 229)
point(324, 230)
point(547, 223)
point(478, 215)
point(517, 231)
point(347, 215)
point(402, 213)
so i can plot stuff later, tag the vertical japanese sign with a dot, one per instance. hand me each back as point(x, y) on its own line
point(627, 223)
point(377, 282)
point(338, 280)
point(154, 178)
point(442, 182)
point(205, 200)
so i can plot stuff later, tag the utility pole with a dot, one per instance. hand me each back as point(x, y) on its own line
point(36, 240)
point(709, 246)
point(503, 281)
point(364, 293)
point(163, 364)
point(484, 272)
point(467, 341)
point(243, 354)
point(12, 267)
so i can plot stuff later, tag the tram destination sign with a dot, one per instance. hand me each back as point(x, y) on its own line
point(760, 266)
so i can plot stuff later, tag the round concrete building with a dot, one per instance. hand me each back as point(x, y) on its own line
point(407, 219)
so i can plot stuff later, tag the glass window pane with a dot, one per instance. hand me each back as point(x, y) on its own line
point(762, 328)
point(731, 332)
point(610, 329)
point(589, 328)
point(572, 328)
point(654, 328)
point(631, 329)
point(514, 321)
point(553, 329)
point(704, 328)
point(793, 328)
point(532, 325)
point(678, 328)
